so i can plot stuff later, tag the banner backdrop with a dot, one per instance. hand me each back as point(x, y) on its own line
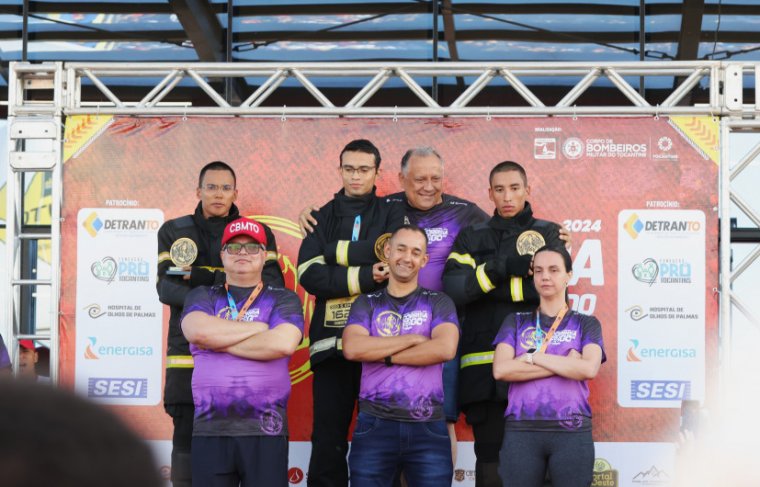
point(638, 194)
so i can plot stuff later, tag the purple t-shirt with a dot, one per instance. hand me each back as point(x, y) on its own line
point(553, 403)
point(234, 396)
point(402, 392)
point(5, 360)
point(442, 224)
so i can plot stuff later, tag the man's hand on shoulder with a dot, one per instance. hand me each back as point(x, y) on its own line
point(306, 221)
point(564, 235)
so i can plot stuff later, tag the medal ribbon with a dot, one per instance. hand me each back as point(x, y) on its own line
point(544, 341)
point(238, 315)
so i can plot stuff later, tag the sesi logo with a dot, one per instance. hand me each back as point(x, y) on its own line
point(110, 388)
point(660, 390)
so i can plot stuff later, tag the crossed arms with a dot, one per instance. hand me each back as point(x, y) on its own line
point(249, 340)
point(576, 366)
point(411, 349)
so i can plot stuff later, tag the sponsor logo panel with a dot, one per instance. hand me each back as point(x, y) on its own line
point(119, 353)
point(661, 335)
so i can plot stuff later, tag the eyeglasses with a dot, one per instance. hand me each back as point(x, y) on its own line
point(362, 170)
point(251, 248)
point(213, 188)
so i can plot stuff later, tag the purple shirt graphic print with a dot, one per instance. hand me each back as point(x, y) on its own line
point(442, 224)
point(401, 392)
point(553, 403)
point(234, 396)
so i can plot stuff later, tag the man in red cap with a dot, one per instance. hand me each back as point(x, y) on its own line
point(241, 333)
point(27, 359)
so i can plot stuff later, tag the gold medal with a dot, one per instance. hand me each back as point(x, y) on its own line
point(529, 241)
point(380, 247)
point(183, 253)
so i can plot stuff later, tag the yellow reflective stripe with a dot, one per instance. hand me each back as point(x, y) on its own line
point(353, 281)
point(465, 259)
point(478, 358)
point(325, 344)
point(271, 255)
point(516, 289)
point(179, 362)
point(341, 252)
point(164, 256)
point(320, 259)
point(485, 283)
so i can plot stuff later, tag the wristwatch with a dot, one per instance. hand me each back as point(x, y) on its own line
point(388, 361)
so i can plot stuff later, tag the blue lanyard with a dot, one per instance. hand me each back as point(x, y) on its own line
point(357, 227)
point(233, 306)
point(539, 334)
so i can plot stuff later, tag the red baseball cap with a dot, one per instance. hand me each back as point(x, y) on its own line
point(245, 226)
point(27, 344)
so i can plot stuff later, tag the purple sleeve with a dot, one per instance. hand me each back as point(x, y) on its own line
point(507, 332)
point(199, 299)
point(5, 360)
point(444, 311)
point(287, 310)
point(591, 332)
point(360, 313)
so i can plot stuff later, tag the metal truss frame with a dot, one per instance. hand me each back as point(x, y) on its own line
point(579, 76)
point(41, 95)
point(730, 301)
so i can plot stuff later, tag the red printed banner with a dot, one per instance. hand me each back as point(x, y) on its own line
point(605, 178)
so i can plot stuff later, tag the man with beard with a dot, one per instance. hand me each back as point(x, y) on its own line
point(402, 335)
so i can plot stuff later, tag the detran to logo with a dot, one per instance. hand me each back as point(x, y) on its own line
point(633, 226)
point(92, 224)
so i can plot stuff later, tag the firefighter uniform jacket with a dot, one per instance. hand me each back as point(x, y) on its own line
point(335, 262)
point(486, 275)
point(206, 270)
